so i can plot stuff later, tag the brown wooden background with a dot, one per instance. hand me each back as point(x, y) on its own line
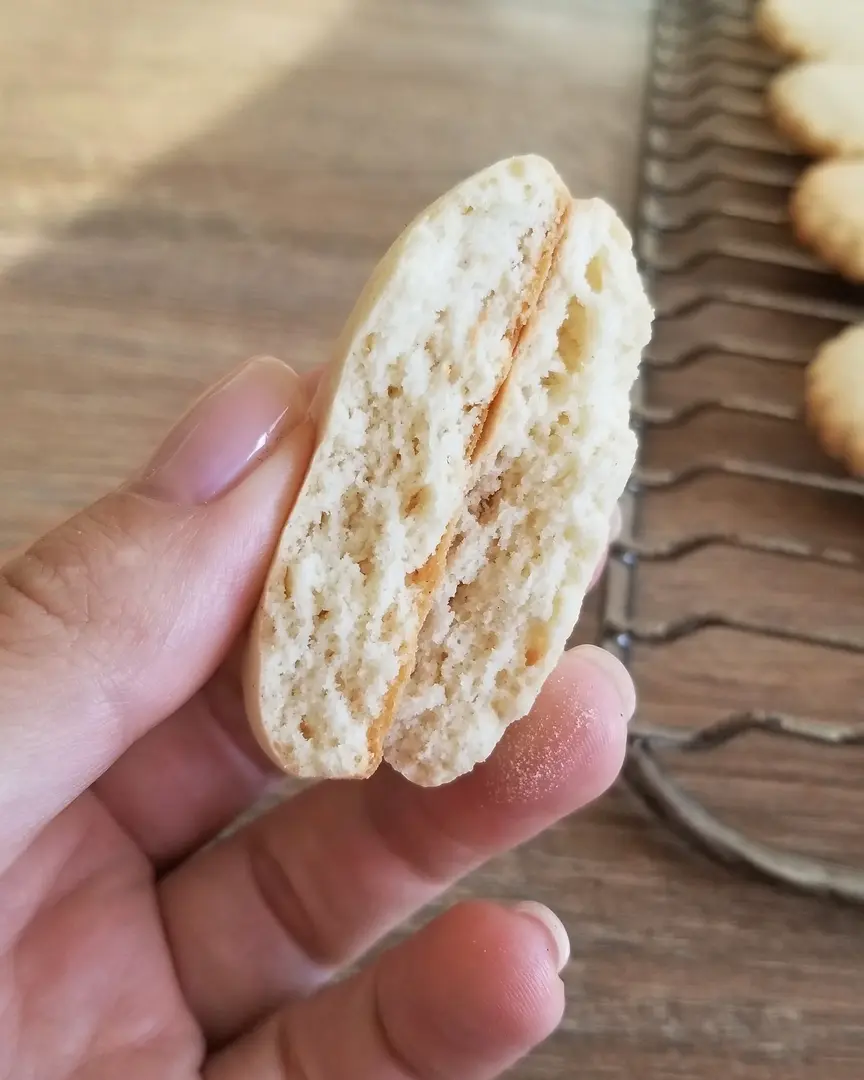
point(182, 185)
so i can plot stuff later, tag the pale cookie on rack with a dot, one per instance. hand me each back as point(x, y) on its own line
point(835, 397)
point(813, 29)
point(819, 105)
point(827, 210)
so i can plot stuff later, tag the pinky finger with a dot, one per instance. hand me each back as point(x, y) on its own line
point(465, 998)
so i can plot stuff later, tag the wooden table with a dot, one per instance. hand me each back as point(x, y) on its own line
point(182, 185)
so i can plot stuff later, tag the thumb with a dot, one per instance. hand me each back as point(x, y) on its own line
point(112, 620)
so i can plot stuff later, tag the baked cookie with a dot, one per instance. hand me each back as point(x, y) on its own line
point(473, 442)
point(819, 105)
point(827, 210)
point(814, 29)
point(835, 397)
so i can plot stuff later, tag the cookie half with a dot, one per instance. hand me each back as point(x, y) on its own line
point(813, 29)
point(835, 397)
point(536, 524)
point(417, 371)
point(820, 106)
point(827, 211)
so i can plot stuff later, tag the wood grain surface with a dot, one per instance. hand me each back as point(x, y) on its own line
point(182, 185)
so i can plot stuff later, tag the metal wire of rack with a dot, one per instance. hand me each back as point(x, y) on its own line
point(703, 129)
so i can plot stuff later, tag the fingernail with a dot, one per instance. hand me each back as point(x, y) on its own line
point(225, 433)
point(615, 671)
point(554, 927)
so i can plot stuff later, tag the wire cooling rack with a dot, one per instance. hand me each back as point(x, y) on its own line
point(715, 185)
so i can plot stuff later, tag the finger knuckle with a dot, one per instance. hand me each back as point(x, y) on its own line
point(294, 914)
point(65, 589)
point(291, 1063)
point(38, 600)
point(390, 1044)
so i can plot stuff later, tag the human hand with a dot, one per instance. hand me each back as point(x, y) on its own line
point(127, 948)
